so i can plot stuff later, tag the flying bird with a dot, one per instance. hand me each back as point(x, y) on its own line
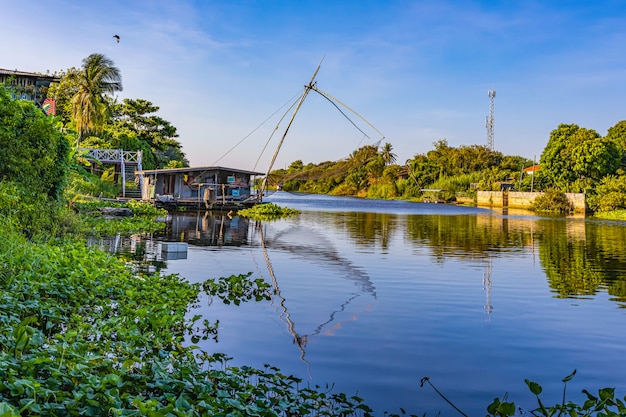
point(117, 38)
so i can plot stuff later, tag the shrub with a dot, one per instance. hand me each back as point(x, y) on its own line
point(552, 201)
point(34, 153)
point(267, 211)
point(610, 194)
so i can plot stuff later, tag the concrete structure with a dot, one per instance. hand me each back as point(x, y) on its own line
point(523, 200)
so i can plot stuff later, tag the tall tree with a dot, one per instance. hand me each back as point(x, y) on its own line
point(617, 135)
point(388, 156)
point(137, 119)
point(96, 82)
point(574, 153)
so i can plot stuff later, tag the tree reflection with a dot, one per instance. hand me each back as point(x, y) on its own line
point(582, 257)
point(579, 256)
point(469, 237)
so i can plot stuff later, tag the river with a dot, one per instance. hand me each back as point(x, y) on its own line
point(372, 296)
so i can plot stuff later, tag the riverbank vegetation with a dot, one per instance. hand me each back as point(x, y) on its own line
point(575, 159)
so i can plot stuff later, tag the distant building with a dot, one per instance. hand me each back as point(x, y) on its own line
point(531, 169)
point(27, 85)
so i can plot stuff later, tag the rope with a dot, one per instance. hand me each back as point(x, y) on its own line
point(255, 129)
point(295, 101)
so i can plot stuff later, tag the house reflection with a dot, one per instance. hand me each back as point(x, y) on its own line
point(149, 252)
point(207, 229)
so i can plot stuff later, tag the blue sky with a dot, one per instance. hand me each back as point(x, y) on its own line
point(419, 71)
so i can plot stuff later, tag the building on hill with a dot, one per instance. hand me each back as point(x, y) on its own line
point(28, 86)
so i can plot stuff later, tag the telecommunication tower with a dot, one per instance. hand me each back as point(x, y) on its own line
point(489, 122)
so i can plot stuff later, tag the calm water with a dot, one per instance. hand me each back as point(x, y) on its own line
point(383, 293)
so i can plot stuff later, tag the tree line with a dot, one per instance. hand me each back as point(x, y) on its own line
point(575, 159)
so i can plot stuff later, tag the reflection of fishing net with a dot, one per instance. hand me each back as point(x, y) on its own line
point(319, 250)
point(315, 247)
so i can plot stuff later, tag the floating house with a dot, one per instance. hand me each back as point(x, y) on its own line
point(210, 188)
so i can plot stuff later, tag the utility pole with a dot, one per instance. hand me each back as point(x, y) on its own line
point(489, 121)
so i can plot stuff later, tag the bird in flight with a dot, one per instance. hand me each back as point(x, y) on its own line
point(117, 38)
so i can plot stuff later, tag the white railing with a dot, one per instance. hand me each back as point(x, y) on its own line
point(116, 156)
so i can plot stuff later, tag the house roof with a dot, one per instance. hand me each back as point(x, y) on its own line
point(532, 168)
point(17, 73)
point(197, 169)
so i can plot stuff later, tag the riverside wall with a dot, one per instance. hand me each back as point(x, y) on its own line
point(523, 200)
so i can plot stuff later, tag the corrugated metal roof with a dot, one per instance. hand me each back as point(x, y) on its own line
point(196, 169)
point(26, 74)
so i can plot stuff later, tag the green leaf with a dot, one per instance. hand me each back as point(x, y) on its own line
point(570, 376)
point(534, 387)
point(7, 410)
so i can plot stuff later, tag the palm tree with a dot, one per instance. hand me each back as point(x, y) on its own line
point(98, 78)
point(388, 156)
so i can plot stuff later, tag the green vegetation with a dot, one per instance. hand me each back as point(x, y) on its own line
point(553, 201)
point(93, 222)
point(575, 159)
point(612, 215)
point(34, 154)
point(267, 211)
point(372, 173)
point(604, 404)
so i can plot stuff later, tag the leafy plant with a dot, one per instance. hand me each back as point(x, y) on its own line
point(552, 201)
point(237, 288)
point(603, 405)
point(267, 211)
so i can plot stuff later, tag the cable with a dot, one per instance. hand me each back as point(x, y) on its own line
point(255, 129)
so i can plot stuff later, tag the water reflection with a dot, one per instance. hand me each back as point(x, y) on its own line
point(579, 256)
point(305, 243)
point(207, 229)
point(471, 299)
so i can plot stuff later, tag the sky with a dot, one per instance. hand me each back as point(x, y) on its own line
point(224, 72)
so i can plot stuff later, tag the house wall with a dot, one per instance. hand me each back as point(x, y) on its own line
point(524, 200)
point(217, 181)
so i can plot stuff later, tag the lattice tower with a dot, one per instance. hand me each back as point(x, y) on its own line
point(489, 123)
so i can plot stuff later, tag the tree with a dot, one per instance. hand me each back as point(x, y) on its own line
point(34, 154)
point(617, 135)
point(96, 82)
point(574, 153)
point(62, 91)
point(388, 156)
point(157, 137)
point(593, 156)
point(362, 156)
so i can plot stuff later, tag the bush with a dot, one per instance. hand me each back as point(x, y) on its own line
point(382, 191)
point(34, 153)
point(609, 195)
point(33, 214)
point(553, 201)
point(91, 185)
